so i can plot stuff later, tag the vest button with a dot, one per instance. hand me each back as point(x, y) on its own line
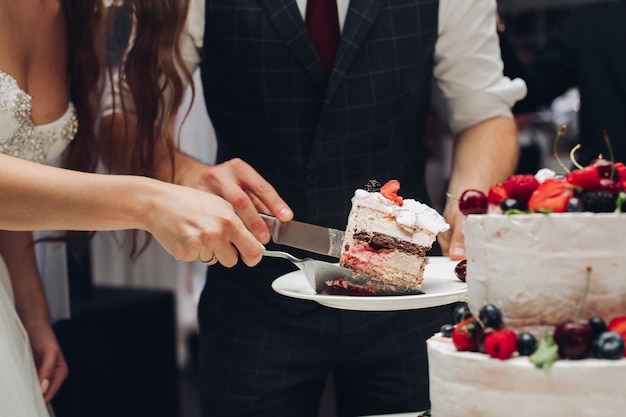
point(312, 178)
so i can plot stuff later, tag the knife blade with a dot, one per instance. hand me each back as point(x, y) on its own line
point(310, 237)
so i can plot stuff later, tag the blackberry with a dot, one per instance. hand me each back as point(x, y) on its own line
point(372, 186)
point(597, 201)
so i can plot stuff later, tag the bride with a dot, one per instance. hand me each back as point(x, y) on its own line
point(49, 81)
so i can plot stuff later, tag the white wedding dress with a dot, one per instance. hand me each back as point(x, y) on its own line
point(20, 392)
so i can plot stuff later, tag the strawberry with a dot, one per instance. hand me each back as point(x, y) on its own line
point(464, 335)
point(501, 344)
point(618, 325)
point(497, 194)
point(587, 178)
point(390, 191)
point(551, 195)
point(519, 187)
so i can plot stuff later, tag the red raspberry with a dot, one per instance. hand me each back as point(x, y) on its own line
point(497, 194)
point(552, 194)
point(587, 178)
point(464, 335)
point(501, 344)
point(520, 187)
point(390, 191)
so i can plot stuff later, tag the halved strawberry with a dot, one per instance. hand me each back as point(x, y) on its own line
point(464, 335)
point(520, 187)
point(551, 195)
point(501, 344)
point(618, 325)
point(390, 191)
point(587, 178)
point(497, 194)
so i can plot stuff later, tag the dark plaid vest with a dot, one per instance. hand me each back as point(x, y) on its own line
point(317, 137)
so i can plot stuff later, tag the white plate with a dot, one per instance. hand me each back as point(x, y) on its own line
point(441, 286)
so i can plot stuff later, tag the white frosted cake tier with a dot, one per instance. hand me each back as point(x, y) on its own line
point(533, 266)
point(472, 384)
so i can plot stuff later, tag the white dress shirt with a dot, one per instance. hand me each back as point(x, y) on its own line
point(467, 62)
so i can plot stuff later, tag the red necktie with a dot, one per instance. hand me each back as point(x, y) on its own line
point(322, 22)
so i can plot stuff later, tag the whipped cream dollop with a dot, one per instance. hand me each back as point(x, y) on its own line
point(411, 214)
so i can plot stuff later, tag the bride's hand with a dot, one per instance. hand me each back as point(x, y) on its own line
point(51, 366)
point(192, 224)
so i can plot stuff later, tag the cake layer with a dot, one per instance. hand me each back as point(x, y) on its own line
point(390, 266)
point(534, 266)
point(474, 385)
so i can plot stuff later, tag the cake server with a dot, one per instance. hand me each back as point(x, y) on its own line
point(316, 272)
point(310, 237)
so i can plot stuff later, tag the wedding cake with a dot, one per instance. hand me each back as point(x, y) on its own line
point(541, 268)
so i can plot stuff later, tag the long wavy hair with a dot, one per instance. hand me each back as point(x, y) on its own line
point(150, 62)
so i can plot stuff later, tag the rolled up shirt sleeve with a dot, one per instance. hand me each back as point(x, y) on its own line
point(468, 66)
point(117, 89)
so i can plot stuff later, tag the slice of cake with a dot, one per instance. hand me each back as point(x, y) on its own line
point(386, 240)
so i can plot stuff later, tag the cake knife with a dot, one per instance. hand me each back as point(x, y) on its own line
point(310, 237)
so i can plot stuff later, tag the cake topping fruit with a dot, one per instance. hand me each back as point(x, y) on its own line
point(574, 339)
point(552, 195)
point(473, 202)
point(460, 270)
point(598, 187)
point(464, 335)
point(372, 186)
point(390, 191)
point(609, 345)
point(461, 312)
point(501, 344)
point(490, 316)
point(526, 344)
point(447, 329)
point(520, 187)
point(618, 325)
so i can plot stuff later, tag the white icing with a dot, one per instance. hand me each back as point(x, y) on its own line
point(475, 385)
point(533, 266)
point(411, 215)
point(544, 174)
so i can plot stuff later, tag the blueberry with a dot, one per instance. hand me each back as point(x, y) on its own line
point(490, 316)
point(597, 325)
point(511, 204)
point(526, 344)
point(574, 205)
point(461, 312)
point(609, 345)
point(447, 329)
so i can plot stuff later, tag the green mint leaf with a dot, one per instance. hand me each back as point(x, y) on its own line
point(547, 352)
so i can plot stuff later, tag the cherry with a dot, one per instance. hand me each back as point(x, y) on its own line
point(603, 166)
point(460, 270)
point(574, 339)
point(473, 202)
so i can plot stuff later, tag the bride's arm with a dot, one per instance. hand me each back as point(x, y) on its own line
point(187, 222)
point(16, 249)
